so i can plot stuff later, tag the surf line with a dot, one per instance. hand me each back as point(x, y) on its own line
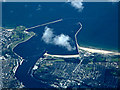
point(44, 24)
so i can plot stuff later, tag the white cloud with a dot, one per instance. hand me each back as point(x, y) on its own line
point(64, 41)
point(59, 40)
point(47, 35)
point(77, 4)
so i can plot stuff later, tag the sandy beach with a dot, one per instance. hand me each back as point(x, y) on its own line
point(62, 56)
point(86, 49)
point(99, 51)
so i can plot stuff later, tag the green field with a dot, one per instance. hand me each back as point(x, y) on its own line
point(20, 36)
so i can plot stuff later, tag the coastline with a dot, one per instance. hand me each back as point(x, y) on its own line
point(15, 68)
point(105, 52)
point(99, 51)
point(91, 49)
point(23, 41)
point(95, 50)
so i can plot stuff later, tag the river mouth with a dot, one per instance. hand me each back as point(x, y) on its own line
point(23, 73)
point(36, 44)
point(32, 54)
point(96, 30)
point(91, 33)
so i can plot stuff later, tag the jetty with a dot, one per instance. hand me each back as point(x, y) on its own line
point(44, 24)
point(69, 56)
point(83, 48)
point(62, 56)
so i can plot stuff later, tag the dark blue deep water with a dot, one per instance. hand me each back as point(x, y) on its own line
point(100, 29)
point(100, 20)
